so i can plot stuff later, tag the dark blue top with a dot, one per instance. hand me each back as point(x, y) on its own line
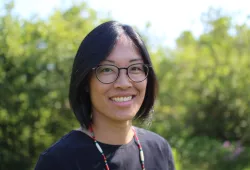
point(77, 151)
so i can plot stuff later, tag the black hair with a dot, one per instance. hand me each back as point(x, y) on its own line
point(94, 48)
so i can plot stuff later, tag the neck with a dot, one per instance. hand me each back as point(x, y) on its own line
point(111, 132)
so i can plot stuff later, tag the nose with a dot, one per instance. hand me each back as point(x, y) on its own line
point(123, 80)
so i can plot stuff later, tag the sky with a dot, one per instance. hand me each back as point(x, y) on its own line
point(167, 18)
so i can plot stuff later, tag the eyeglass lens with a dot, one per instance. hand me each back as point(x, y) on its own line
point(109, 73)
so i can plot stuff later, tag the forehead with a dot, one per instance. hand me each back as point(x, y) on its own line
point(124, 50)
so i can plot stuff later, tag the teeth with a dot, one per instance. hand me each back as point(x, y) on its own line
point(122, 99)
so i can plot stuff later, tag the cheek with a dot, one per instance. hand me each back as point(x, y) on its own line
point(141, 87)
point(97, 93)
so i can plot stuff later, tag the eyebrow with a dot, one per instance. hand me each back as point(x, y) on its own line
point(133, 60)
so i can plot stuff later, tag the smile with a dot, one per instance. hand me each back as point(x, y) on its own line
point(122, 99)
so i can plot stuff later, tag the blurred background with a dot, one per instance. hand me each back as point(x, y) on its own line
point(200, 51)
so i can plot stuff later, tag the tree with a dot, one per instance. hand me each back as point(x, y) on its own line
point(35, 67)
point(204, 95)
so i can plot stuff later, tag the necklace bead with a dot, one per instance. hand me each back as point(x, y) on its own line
point(103, 155)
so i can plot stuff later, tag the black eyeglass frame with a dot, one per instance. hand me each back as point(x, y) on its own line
point(120, 68)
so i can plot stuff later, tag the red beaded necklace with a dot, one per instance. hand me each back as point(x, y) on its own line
point(103, 155)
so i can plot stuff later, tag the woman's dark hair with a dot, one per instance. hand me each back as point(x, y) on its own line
point(95, 47)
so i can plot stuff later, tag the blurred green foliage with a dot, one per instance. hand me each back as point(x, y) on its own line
point(203, 105)
point(202, 108)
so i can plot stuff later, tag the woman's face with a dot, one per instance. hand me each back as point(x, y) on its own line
point(120, 100)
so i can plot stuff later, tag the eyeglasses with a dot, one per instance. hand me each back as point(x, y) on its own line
point(109, 73)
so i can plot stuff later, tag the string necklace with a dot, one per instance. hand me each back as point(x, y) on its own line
point(103, 155)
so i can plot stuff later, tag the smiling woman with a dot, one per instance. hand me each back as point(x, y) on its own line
point(112, 83)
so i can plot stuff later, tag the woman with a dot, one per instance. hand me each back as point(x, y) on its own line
point(112, 83)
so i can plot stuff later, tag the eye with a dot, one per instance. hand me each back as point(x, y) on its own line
point(106, 70)
point(136, 68)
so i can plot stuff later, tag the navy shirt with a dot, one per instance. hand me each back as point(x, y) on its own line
point(77, 151)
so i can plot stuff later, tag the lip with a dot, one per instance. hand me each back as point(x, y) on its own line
point(123, 95)
point(125, 103)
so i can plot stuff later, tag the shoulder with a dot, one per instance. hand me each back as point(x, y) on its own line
point(66, 143)
point(61, 150)
point(156, 145)
point(149, 136)
point(154, 141)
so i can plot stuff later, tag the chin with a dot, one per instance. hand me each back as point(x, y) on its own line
point(124, 116)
